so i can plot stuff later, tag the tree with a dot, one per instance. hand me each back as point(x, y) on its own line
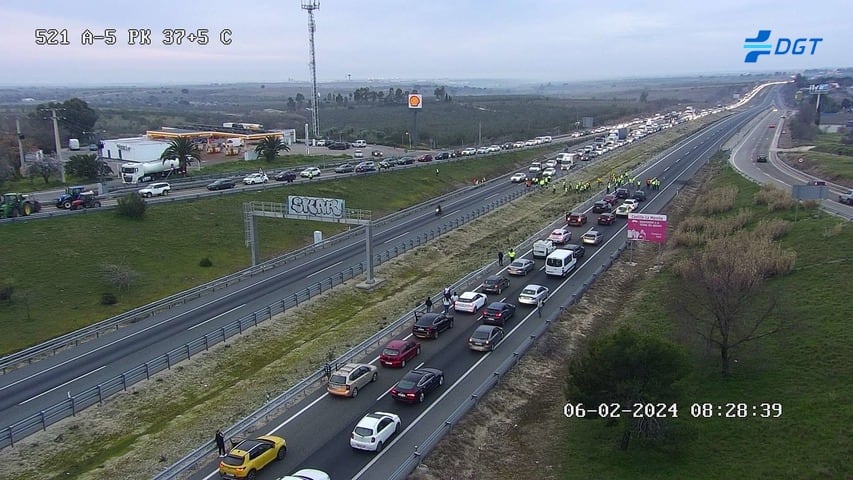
point(84, 166)
point(43, 169)
point(75, 116)
point(626, 369)
point(721, 286)
point(269, 147)
point(291, 104)
point(183, 150)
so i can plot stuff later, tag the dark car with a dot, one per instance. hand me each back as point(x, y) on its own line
point(611, 199)
point(622, 193)
point(761, 159)
point(639, 196)
point(601, 206)
point(497, 313)
point(287, 176)
point(425, 158)
point(405, 161)
point(344, 168)
point(367, 166)
point(398, 352)
point(576, 219)
point(386, 164)
point(429, 325)
point(412, 387)
point(376, 153)
point(222, 184)
point(442, 156)
point(495, 284)
point(338, 146)
point(606, 218)
point(577, 250)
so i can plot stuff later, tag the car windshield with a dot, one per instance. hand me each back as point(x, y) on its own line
point(363, 431)
point(390, 352)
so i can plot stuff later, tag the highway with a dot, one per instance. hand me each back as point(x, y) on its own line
point(762, 139)
point(317, 429)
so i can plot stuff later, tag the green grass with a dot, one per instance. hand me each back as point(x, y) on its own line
point(54, 264)
point(807, 369)
point(830, 159)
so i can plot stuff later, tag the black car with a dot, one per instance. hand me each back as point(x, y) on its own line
point(497, 313)
point(442, 156)
point(338, 146)
point(406, 161)
point(429, 325)
point(495, 284)
point(639, 196)
point(344, 168)
point(577, 250)
point(412, 387)
point(376, 154)
point(386, 164)
point(222, 184)
point(761, 159)
point(287, 176)
point(622, 193)
point(601, 207)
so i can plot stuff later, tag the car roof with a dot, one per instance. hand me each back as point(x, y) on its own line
point(469, 295)
point(350, 367)
point(396, 343)
point(373, 419)
point(486, 328)
point(497, 305)
point(534, 286)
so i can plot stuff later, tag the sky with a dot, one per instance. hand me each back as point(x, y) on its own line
point(546, 40)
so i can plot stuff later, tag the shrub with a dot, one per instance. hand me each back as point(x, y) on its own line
point(718, 200)
point(108, 298)
point(205, 262)
point(119, 276)
point(772, 229)
point(6, 291)
point(776, 199)
point(131, 205)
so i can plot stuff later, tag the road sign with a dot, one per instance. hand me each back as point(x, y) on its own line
point(810, 192)
point(647, 227)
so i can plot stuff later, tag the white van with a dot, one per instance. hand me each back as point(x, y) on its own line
point(359, 144)
point(560, 263)
point(543, 248)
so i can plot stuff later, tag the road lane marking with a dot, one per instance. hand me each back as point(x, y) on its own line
point(214, 318)
point(323, 270)
point(64, 384)
point(398, 236)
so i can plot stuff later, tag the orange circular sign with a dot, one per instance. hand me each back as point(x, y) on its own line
point(414, 100)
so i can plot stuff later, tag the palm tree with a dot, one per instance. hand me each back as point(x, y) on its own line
point(269, 147)
point(181, 148)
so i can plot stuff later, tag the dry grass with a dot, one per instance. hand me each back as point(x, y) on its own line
point(772, 229)
point(696, 231)
point(776, 199)
point(718, 200)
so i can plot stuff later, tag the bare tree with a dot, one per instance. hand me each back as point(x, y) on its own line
point(722, 286)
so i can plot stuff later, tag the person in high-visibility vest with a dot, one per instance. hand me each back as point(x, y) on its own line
point(511, 255)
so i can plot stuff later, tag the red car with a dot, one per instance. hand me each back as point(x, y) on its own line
point(576, 219)
point(425, 158)
point(606, 218)
point(398, 352)
point(611, 199)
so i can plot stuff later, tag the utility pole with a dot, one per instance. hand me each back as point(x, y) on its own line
point(20, 145)
point(310, 6)
point(58, 146)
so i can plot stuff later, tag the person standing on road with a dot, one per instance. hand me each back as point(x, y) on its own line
point(511, 255)
point(220, 442)
point(539, 307)
point(428, 303)
point(445, 302)
point(453, 299)
point(500, 258)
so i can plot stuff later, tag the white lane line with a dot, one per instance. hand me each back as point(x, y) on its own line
point(64, 384)
point(398, 236)
point(214, 318)
point(323, 270)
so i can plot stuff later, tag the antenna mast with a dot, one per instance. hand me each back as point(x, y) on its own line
point(310, 6)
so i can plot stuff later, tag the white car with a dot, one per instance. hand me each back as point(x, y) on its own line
point(310, 172)
point(256, 178)
point(560, 236)
point(622, 210)
point(159, 188)
point(469, 151)
point(482, 150)
point(534, 168)
point(518, 144)
point(530, 143)
point(518, 178)
point(308, 474)
point(358, 154)
point(470, 302)
point(494, 148)
point(532, 294)
point(632, 202)
point(374, 430)
point(359, 144)
point(552, 163)
point(549, 172)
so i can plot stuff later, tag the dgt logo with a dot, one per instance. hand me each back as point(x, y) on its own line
point(759, 46)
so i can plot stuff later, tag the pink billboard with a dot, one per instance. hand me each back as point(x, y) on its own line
point(647, 227)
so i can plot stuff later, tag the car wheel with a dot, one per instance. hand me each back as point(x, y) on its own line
point(165, 192)
point(281, 453)
point(379, 446)
point(441, 380)
point(375, 376)
point(66, 205)
point(354, 392)
point(421, 398)
point(251, 475)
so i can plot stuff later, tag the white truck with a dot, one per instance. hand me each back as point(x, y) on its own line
point(566, 160)
point(543, 248)
point(74, 144)
point(141, 172)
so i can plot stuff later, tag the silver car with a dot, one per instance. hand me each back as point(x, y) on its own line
point(532, 294)
point(521, 266)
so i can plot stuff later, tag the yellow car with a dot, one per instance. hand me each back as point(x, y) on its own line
point(249, 456)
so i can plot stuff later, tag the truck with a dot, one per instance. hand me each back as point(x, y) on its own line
point(620, 133)
point(73, 144)
point(141, 172)
point(566, 160)
point(543, 248)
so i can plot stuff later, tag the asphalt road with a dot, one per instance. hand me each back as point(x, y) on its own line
point(318, 429)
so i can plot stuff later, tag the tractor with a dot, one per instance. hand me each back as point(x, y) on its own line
point(86, 200)
point(18, 205)
point(71, 194)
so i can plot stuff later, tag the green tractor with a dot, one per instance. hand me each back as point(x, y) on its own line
point(18, 205)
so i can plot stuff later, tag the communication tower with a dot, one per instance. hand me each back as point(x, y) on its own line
point(310, 6)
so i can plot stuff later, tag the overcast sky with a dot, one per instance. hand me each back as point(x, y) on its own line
point(545, 40)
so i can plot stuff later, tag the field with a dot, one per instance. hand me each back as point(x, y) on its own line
point(805, 368)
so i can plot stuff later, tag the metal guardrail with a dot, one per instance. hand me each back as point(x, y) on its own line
point(96, 395)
